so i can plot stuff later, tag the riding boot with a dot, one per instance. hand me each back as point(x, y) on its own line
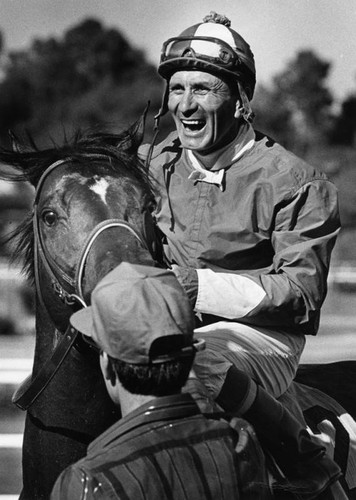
point(307, 469)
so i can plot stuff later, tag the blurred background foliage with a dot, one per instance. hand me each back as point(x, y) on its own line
point(91, 77)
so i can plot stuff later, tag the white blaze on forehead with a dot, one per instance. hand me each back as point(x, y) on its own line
point(100, 187)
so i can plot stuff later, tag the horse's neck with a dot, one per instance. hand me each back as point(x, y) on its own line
point(61, 404)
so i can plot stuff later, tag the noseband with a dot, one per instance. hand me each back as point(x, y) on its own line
point(53, 269)
point(30, 389)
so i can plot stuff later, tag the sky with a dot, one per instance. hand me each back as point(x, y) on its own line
point(275, 29)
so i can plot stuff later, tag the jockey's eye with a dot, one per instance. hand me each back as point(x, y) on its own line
point(49, 217)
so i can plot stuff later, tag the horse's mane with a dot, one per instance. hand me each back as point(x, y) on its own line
point(29, 163)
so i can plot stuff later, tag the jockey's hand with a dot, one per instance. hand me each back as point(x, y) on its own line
point(188, 278)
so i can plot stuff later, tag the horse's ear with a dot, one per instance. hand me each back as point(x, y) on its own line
point(17, 147)
point(132, 138)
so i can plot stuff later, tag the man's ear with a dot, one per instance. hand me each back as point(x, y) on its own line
point(238, 109)
point(107, 368)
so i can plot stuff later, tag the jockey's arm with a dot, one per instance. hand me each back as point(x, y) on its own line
point(290, 292)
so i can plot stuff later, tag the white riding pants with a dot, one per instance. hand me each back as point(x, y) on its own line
point(270, 357)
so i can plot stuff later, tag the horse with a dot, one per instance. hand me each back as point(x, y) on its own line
point(92, 210)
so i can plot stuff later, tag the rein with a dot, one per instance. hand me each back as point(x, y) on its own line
point(30, 389)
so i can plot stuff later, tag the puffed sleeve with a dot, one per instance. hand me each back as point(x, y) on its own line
point(290, 292)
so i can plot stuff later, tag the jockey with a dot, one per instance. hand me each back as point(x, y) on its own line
point(248, 230)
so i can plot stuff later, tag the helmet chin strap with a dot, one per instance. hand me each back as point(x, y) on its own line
point(164, 107)
point(161, 112)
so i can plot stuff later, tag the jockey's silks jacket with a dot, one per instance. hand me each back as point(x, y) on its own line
point(260, 235)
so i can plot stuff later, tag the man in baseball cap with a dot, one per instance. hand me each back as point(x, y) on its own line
point(142, 321)
point(139, 315)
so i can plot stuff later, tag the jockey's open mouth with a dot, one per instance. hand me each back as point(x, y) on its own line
point(193, 125)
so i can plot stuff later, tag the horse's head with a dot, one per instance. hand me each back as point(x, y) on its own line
point(92, 210)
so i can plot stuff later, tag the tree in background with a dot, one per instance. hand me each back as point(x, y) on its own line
point(297, 108)
point(344, 129)
point(90, 77)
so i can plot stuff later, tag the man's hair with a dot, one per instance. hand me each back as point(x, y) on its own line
point(160, 379)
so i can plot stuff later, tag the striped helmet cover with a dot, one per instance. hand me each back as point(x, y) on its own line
point(198, 48)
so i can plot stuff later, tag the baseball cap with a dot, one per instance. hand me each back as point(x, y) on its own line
point(140, 315)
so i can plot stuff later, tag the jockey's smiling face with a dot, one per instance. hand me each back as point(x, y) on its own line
point(204, 110)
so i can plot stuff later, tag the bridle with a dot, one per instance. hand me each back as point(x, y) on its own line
point(54, 271)
point(30, 389)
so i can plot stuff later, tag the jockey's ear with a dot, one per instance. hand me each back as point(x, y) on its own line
point(238, 109)
point(133, 137)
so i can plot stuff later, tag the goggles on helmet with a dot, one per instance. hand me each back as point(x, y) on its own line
point(209, 49)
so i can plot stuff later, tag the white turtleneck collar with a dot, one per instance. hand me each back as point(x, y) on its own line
point(222, 158)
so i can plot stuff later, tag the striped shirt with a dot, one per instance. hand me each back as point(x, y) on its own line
point(166, 449)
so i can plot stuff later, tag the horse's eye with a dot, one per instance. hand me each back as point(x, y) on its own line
point(49, 217)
